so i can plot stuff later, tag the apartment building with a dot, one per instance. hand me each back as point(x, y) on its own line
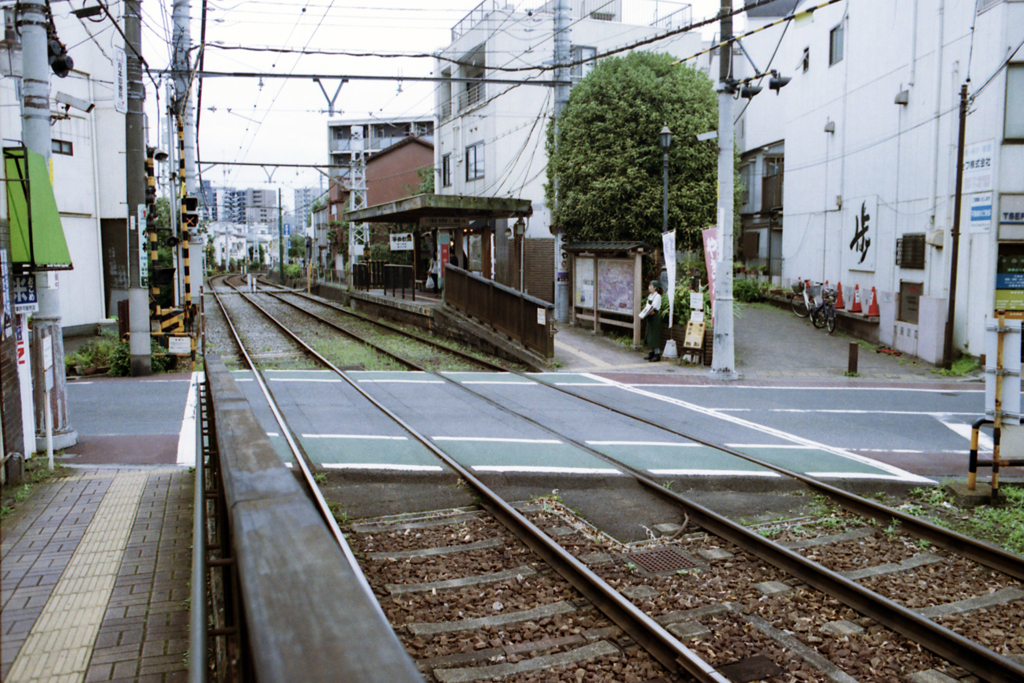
point(850, 172)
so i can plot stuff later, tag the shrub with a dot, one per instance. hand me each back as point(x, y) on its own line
point(749, 291)
point(121, 360)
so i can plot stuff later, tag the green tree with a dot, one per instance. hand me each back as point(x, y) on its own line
point(609, 160)
point(296, 246)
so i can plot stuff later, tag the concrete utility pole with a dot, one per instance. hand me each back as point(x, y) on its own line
point(723, 358)
point(182, 40)
point(562, 56)
point(32, 22)
point(135, 175)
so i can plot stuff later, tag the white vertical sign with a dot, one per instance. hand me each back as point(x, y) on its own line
point(143, 248)
point(120, 81)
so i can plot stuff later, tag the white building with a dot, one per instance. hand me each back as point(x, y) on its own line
point(378, 134)
point(88, 149)
point(866, 135)
point(490, 136)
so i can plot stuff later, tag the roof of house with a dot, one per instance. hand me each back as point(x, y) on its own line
point(411, 139)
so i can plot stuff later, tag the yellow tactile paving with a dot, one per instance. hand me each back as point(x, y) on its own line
point(60, 643)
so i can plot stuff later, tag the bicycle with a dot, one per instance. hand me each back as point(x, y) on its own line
point(825, 314)
point(802, 299)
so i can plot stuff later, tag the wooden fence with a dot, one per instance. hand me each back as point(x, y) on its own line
point(525, 319)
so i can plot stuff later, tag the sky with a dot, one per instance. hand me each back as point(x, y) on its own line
point(278, 120)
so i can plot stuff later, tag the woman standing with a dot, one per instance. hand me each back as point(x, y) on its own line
point(652, 313)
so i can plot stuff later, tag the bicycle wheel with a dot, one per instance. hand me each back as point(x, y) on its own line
point(799, 307)
point(831, 320)
point(818, 317)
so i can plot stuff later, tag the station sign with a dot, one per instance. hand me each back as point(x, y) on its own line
point(401, 241)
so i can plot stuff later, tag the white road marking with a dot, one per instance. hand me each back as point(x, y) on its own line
point(354, 436)
point(642, 443)
point(492, 439)
point(187, 435)
point(711, 473)
point(546, 470)
point(984, 440)
point(381, 466)
point(401, 381)
point(894, 472)
point(521, 384)
point(967, 389)
point(304, 379)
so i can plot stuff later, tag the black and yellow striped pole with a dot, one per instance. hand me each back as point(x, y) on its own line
point(154, 288)
point(189, 224)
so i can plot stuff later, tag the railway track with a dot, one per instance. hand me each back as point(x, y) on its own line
point(845, 597)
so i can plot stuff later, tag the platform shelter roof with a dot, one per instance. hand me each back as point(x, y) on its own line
point(433, 210)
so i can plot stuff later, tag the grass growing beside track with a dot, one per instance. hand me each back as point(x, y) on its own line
point(1001, 524)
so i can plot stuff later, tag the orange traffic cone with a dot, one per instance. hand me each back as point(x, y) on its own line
point(839, 296)
point(873, 306)
point(855, 308)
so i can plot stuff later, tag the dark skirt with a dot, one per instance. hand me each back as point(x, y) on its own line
point(652, 335)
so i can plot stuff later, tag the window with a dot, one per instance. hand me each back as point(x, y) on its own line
point(62, 147)
point(446, 170)
point(475, 161)
point(835, 47)
point(910, 251)
point(1013, 127)
point(579, 52)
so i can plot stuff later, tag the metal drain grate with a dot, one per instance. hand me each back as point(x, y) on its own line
point(661, 560)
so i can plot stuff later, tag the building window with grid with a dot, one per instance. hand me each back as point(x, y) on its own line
point(446, 170)
point(835, 46)
point(62, 147)
point(475, 161)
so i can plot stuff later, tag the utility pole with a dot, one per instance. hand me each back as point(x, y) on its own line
point(947, 356)
point(562, 50)
point(135, 176)
point(280, 236)
point(723, 358)
point(182, 40)
point(33, 22)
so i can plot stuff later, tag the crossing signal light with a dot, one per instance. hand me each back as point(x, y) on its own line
point(150, 193)
point(776, 82)
point(189, 213)
point(60, 60)
point(748, 91)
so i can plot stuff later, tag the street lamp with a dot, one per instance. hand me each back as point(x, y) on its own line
point(665, 136)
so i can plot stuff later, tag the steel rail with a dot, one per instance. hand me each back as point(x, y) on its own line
point(404, 361)
point(648, 633)
point(394, 328)
point(300, 459)
point(982, 553)
point(981, 661)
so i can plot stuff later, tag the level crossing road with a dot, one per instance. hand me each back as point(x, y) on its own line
point(885, 434)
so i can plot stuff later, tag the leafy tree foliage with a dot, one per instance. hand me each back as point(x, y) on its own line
point(608, 158)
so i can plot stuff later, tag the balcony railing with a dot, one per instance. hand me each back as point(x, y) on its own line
point(663, 14)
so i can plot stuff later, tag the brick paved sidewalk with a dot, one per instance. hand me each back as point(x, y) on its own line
point(94, 572)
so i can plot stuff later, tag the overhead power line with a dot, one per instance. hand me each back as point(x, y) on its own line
point(363, 77)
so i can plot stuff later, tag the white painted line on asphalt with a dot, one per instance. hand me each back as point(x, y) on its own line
point(546, 470)
point(401, 381)
point(787, 446)
point(187, 435)
point(714, 473)
point(848, 411)
point(354, 436)
point(76, 383)
point(894, 472)
point(273, 434)
point(521, 384)
point(581, 384)
point(642, 443)
point(853, 475)
point(380, 466)
point(304, 379)
point(964, 430)
point(492, 439)
point(967, 388)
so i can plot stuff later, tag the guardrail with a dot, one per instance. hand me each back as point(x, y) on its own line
point(294, 608)
point(525, 319)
